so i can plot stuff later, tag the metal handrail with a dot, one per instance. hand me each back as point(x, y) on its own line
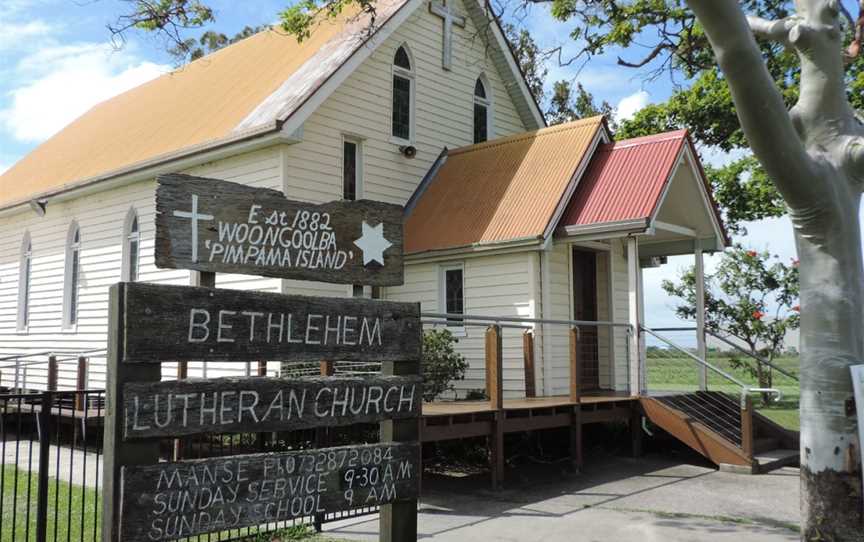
point(757, 357)
point(745, 388)
point(517, 319)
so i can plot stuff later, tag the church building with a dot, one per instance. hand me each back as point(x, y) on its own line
point(504, 216)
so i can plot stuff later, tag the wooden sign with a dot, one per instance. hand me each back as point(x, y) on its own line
point(189, 407)
point(176, 323)
point(219, 226)
point(175, 500)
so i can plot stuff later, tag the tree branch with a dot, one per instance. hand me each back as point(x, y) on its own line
point(772, 30)
point(760, 107)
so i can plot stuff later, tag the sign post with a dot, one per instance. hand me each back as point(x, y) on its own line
point(213, 226)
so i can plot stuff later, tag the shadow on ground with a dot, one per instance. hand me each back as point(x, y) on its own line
point(656, 497)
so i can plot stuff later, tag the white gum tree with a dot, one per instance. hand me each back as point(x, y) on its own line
point(814, 154)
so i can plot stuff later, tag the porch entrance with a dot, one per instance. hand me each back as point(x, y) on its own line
point(585, 308)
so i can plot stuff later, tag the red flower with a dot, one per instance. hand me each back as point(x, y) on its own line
point(752, 253)
point(797, 308)
point(757, 315)
point(795, 262)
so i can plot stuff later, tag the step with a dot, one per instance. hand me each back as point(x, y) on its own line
point(775, 459)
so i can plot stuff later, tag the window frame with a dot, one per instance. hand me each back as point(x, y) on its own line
point(457, 327)
point(411, 77)
point(486, 102)
point(358, 165)
point(128, 237)
point(72, 278)
point(25, 274)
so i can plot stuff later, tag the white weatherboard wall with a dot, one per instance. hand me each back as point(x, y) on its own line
point(101, 218)
point(360, 108)
point(495, 285)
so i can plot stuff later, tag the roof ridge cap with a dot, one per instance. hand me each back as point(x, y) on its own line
point(647, 140)
point(506, 140)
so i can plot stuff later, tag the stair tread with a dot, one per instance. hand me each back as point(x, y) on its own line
point(776, 455)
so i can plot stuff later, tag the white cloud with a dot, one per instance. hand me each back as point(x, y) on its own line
point(3, 168)
point(21, 35)
point(55, 85)
point(629, 105)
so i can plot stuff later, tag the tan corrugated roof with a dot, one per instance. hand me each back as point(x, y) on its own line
point(214, 98)
point(501, 190)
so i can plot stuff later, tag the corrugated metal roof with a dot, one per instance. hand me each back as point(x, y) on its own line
point(625, 180)
point(501, 190)
point(248, 85)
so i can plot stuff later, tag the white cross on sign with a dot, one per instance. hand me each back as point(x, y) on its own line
point(193, 214)
point(450, 18)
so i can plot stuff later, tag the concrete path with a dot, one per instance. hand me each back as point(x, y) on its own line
point(645, 499)
point(73, 465)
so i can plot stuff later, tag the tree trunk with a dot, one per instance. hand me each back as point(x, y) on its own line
point(831, 341)
point(814, 154)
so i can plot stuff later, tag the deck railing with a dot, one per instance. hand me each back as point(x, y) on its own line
point(573, 333)
point(737, 385)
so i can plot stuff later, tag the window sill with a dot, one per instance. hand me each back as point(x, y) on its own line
point(401, 142)
point(69, 329)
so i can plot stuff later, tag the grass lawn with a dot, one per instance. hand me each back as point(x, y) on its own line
point(670, 372)
point(72, 510)
point(18, 520)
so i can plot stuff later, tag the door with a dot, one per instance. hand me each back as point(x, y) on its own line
point(585, 309)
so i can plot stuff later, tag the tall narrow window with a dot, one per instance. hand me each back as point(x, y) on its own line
point(351, 169)
point(482, 117)
point(403, 95)
point(73, 275)
point(453, 293)
point(131, 247)
point(24, 272)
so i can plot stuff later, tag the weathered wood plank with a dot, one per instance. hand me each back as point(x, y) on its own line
point(175, 500)
point(255, 404)
point(177, 323)
point(225, 227)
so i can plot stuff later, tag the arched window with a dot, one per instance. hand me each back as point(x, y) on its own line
point(73, 276)
point(131, 246)
point(24, 271)
point(482, 110)
point(402, 115)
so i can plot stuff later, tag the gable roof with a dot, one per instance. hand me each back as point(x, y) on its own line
point(263, 82)
point(626, 182)
point(504, 190)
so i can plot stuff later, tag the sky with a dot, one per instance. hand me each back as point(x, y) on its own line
point(57, 59)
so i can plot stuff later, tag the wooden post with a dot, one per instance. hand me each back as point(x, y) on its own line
point(747, 426)
point(328, 368)
point(575, 397)
point(494, 388)
point(636, 429)
point(528, 359)
point(81, 384)
point(574, 365)
point(398, 521)
point(494, 367)
point(119, 453)
point(262, 368)
point(52, 373)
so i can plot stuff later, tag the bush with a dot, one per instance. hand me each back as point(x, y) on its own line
point(441, 363)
